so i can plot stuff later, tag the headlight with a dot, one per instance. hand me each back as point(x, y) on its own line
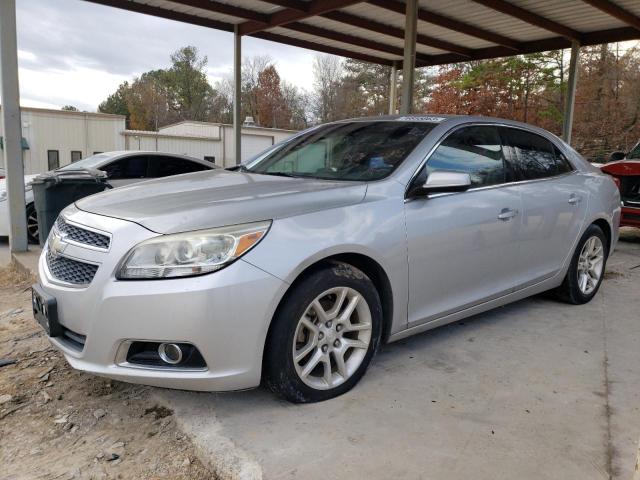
point(191, 253)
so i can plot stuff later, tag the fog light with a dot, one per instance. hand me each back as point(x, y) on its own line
point(170, 353)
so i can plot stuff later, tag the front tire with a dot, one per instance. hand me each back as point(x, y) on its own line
point(587, 267)
point(324, 335)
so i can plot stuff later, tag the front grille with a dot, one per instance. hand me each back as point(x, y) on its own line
point(69, 270)
point(81, 235)
point(73, 339)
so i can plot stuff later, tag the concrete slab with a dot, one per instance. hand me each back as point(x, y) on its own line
point(537, 389)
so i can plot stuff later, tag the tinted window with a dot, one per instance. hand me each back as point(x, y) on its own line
point(564, 165)
point(167, 166)
point(131, 167)
point(474, 150)
point(534, 155)
point(345, 151)
point(635, 153)
point(53, 159)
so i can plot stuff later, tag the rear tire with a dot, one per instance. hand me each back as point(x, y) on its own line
point(32, 224)
point(587, 268)
point(323, 335)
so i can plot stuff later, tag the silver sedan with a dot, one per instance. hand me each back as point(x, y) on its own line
point(294, 268)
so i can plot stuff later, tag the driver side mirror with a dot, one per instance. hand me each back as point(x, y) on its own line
point(617, 156)
point(441, 181)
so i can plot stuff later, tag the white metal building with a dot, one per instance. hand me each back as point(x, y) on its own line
point(54, 138)
point(208, 141)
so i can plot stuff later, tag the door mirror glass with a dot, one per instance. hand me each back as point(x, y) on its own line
point(616, 156)
point(441, 181)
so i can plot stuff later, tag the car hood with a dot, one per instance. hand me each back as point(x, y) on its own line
point(218, 198)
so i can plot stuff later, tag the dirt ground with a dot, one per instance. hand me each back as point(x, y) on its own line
point(58, 423)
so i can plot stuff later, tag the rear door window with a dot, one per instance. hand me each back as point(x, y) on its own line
point(167, 166)
point(534, 156)
point(127, 168)
point(476, 150)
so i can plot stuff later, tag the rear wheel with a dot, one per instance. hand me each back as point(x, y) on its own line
point(324, 335)
point(586, 270)
point(32, 224)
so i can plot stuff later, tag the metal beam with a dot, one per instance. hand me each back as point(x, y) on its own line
point(570, 98)
point(166, 13)
point(384, 29)
point(349, 39)
point(226, 9)
point(450, 24)
point(293, 4)
point(393, 88)
point(530, 17)
point(12, 149)
point(237, 95)
point(288, 15)
point(409, 62)
point(616, 12)
point(317, 47)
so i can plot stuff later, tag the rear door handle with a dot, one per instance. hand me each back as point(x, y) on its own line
point(574, 199)
point(507, 214)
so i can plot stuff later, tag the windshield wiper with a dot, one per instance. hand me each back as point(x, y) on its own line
point(282, 174)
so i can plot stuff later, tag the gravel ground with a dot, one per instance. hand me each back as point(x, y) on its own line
point(58, 423)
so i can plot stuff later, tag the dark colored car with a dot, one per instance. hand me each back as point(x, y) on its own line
point(627, 174)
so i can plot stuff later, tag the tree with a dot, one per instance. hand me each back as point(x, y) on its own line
point(69, 108)
point(117, 104)
point(189, 93)
point(271, 110)
point(327, 76)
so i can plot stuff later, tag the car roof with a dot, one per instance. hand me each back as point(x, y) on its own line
point(109, 156)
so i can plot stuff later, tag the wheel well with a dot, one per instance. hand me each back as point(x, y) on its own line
point(606, 229)
point(371, 268)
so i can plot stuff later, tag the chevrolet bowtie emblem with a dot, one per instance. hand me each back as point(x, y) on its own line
point(57, 244)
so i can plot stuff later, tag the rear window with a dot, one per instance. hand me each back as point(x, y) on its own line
point(534, 156)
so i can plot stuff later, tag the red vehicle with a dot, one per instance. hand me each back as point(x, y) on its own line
point(627, 173)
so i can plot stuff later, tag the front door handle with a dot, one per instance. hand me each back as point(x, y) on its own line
point(574, 199)
point(507, 214)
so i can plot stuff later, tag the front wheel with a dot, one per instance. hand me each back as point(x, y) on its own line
point(324, 335)
point(586, 270)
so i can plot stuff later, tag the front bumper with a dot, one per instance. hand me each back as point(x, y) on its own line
point(225, 314)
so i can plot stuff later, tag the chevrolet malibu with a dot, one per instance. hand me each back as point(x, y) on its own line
point(294, 268)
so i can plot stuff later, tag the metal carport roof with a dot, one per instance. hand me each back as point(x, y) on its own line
point(447, 31)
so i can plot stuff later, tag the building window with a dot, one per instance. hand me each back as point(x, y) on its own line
point(76, 155)
point(53, 159)
point(210, 158)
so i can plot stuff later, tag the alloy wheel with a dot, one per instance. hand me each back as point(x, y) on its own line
point(32, 224)
point(590, 265)
point(332, 338)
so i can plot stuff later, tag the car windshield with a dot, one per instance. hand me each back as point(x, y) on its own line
point(634, 153)
point(357, 151)
point(90, 162)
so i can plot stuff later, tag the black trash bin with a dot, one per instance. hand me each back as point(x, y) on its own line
point(52, 191)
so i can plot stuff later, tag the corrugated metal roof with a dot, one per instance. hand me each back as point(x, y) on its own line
point(448, 30)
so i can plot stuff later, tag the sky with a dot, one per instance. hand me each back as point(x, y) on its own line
point(76, 53)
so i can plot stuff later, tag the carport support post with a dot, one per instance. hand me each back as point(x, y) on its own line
point(570, 99)
point(12, 127)
point(237, 94)
point(393, 88)
point(409, 62)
